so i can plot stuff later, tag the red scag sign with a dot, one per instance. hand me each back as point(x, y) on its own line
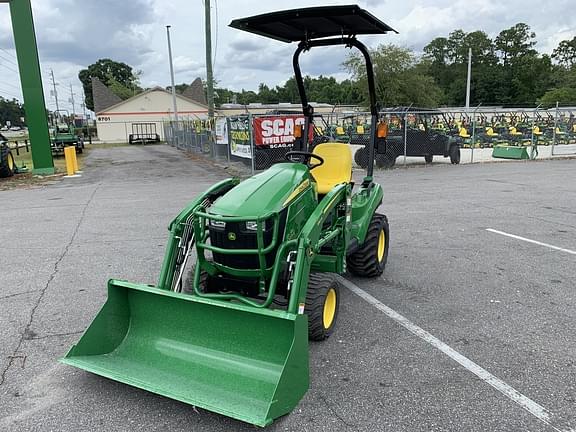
point(277, 131)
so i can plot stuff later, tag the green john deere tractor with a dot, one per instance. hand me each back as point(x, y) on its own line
point(7, 164)
point(234, 338)
point(65, 135)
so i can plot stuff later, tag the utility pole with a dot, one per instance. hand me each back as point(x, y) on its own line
point(85, 123)
point(55, 92)
point(209, 72)
point(172, 74)
point(468, 79)
point(72, 101)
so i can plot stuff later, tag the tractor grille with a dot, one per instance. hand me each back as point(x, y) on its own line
point(235, 236)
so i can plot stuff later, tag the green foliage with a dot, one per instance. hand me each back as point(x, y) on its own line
point(565, 53)
point(505, 70)
point(12, 111)
point(118, 76)
point(515, 43)
point(319, 89)
point(399, 79)
point(121, 90)
point(562, 95)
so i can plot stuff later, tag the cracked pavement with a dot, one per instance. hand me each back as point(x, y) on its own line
point(508, 306)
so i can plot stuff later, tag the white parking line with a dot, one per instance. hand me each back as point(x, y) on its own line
point(531, 241)
point(525, 402)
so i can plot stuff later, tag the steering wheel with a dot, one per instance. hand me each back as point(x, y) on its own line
point(304, 157)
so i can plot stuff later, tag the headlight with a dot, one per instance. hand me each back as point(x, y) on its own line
point(217, 224)
point(252, 226)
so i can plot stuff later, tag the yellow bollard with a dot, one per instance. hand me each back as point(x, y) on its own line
point(75, 159)
point(70, 155)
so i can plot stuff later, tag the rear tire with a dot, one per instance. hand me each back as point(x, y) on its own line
point(370, 258)
point(322, 304)
point(7, 163)
point(455, 155)
point(361, 157)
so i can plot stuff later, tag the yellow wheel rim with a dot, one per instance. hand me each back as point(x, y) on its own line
point(329, 308)
point(10, 162)
point(381, 245)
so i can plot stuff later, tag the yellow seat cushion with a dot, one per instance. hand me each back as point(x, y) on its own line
point(337, 167)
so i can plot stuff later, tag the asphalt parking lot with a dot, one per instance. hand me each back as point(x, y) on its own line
point(468, 329)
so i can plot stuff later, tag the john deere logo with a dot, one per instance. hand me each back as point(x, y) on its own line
point(231, 236)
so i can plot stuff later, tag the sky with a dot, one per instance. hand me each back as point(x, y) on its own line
point(72, 34)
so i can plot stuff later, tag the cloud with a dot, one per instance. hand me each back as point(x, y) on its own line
point(72, 34)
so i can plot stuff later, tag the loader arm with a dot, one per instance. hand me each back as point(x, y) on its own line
point(179, 225)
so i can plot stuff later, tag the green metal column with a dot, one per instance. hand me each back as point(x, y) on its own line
point(31, 79)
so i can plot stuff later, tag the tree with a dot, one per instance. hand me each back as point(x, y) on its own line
point(565, 53)
point(398, 80)
point(11, 111)
point(118, 76)
point(563, 95)
point(267, 95)
point(516, 42)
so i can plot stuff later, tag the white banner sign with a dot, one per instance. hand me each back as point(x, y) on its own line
point(221, 131)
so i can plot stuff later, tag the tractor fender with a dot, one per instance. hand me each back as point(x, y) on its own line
point(364, 204)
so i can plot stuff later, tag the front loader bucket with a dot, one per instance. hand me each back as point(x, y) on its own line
point(247, 363)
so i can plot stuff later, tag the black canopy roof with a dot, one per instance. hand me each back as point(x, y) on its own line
point(312, 23)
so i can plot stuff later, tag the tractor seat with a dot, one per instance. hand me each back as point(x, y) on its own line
point(337, 167)
point(490, 132)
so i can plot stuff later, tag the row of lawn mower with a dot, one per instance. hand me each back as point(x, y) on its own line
point(510, 129)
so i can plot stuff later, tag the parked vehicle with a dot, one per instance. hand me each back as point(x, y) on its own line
point(414, 124)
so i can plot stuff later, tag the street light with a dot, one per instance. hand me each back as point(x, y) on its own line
point(172, 74)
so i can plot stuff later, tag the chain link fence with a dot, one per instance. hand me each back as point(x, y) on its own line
point(415, 136)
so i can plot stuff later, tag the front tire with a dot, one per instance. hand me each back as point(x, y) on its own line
point(322, 304)
point(7, 163)
point(428, 158)
point(370, 258)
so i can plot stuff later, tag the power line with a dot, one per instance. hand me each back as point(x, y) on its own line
point(9, 68)
point(7, 52)
point(12, 85)
point(12, 95)
point(8, 60)
point(11, 90)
